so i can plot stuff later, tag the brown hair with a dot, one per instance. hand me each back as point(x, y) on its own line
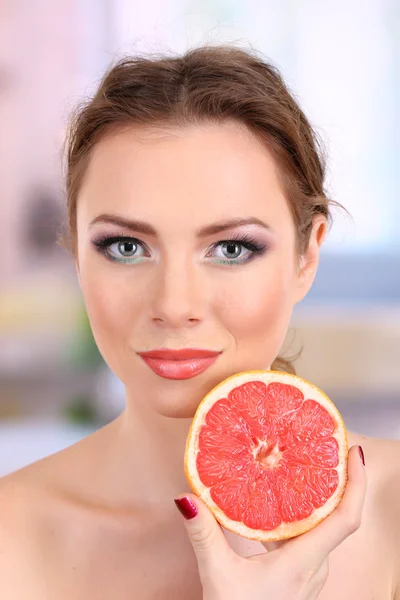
point(206, 84)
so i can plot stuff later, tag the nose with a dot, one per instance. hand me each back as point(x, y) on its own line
point(177, 299)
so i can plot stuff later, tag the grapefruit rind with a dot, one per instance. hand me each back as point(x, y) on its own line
point(284, 530)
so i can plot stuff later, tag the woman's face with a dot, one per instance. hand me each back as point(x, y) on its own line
point(176, 282)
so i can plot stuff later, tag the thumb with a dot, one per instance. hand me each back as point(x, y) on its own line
point(206, 536)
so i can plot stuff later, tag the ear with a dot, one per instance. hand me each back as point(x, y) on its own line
point(310, 258)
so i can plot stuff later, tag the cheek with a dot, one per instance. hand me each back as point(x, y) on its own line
point(110, 306)
point(257, 312)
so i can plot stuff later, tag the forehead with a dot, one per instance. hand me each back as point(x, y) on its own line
point(200, 173)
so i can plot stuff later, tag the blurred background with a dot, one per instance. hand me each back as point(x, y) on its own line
point(340, 58)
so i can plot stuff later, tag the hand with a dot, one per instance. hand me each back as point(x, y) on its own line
point(294, 569)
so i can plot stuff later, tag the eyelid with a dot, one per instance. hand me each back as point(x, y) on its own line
point(252, 245)
point(103, 243)
point(106, 240)
point(245, 240)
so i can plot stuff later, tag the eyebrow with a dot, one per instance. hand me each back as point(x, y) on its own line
point(147, 229)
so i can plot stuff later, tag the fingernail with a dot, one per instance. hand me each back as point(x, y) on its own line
point(362, 455)
point(186, 507)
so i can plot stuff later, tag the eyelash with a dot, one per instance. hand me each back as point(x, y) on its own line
point(103, 242)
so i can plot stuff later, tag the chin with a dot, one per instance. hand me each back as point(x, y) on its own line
point(179, 399)
point(177, 412)
point(177, 405)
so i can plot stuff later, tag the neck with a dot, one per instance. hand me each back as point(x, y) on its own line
point(147, 455)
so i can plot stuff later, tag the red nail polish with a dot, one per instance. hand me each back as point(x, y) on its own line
point(362, 455)
point(186, 507)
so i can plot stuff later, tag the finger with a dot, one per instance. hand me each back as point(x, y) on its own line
point(205, 534)
point(316, 544)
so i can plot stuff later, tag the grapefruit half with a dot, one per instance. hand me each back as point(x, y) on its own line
point(267, 453)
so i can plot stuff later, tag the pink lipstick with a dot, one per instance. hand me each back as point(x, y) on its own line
point(179, 364)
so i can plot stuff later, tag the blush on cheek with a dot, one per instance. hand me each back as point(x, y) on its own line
point(109, 320)
point(258, 322)
point(264, 315)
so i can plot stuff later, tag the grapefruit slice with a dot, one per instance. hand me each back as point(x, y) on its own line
point(267, 453)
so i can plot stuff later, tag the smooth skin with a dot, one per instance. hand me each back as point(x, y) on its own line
point(98, 520)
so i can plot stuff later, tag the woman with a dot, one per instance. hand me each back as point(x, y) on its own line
point(196, 215)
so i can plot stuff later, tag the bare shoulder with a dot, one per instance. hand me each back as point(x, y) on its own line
point(383, 465)
point(383, 471)
point(24, 497)
point(34, 488)
point(18, 522)
point(33, 497)
point(33, 521)
point(382, 457)
point(16, 501)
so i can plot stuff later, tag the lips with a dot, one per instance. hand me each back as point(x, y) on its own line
point(181, 354)
point(179, 364)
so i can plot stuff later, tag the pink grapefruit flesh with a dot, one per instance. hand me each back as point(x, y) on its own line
point(267, 453)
